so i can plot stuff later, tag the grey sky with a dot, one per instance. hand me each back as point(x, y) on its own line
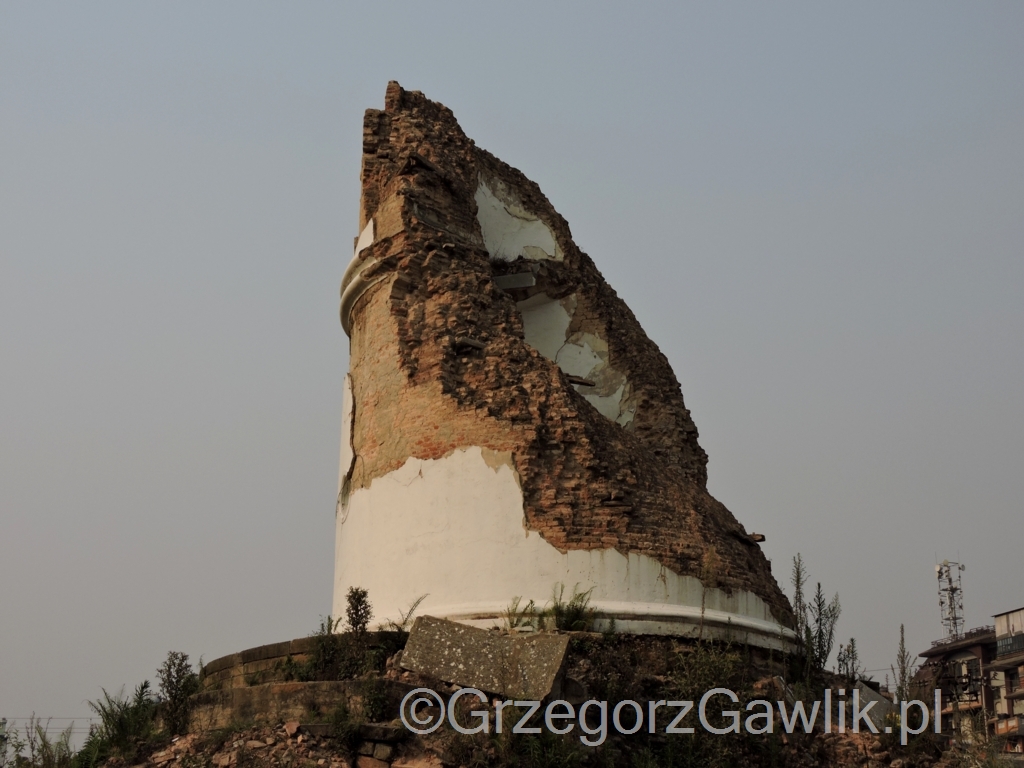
point(817, 211)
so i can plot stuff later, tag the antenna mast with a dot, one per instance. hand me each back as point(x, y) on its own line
point(951, 598)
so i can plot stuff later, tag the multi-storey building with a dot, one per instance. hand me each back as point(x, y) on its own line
point(979, 674)
point(956, 666)
point(1004, 672)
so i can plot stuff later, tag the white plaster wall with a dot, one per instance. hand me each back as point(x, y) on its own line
point(509, 230)
point(454, 529)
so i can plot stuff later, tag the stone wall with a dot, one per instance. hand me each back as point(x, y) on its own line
point(261, 664)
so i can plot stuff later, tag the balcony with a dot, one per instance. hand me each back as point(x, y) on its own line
point(1010, 726)
point(1006, 646)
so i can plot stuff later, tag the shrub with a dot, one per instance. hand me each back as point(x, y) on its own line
point(359, 611)
point(43, 752)
point(177, 684)
point(125, 725)
point(328, 659)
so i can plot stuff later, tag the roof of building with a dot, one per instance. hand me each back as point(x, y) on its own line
point(976, 636)
point(1004, 613)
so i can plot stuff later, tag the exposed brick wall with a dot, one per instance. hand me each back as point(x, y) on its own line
point(587, 482)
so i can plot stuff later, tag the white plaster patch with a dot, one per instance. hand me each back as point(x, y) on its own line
point(545, 323)
point(352, 283)
point(365, 238)
point(545, 328)
point(626, 413)
point(348, 454)
point(509, 230)
point(608, 405)
point(453, 528)
point(577, 359)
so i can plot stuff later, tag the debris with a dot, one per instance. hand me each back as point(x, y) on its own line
point(518, 666)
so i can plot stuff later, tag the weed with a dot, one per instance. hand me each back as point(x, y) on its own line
point(576, 615)
point(327, 658)
point(799, 579)
point(253, 678)
point(904, 669)
point(520, 618)
point(42, 750)
point(289, 668)
point(822, 628)
point(194, 761)
point(346, 655)
point(375, 700)
point(345, 728)
point(407, 616)
point(848, 661)
point(126, 724)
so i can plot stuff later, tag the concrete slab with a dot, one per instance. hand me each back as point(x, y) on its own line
point(882, 708)
point(525, 667)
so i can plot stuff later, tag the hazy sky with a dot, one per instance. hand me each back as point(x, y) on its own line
point(817, 212)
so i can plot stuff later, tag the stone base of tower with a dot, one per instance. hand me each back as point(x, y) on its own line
point(453, 530)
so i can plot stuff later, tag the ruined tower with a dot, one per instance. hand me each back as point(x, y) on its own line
point(507, 425)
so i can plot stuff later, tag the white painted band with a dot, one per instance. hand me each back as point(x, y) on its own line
point(350, 293)
point(656, 612)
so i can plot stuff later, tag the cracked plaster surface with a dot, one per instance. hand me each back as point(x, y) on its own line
point(546, 323)
point(509, 230)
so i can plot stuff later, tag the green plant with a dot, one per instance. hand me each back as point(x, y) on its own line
point(977, 749)
point(343, 656)
point(848, 661)
point(44, 752)
point(11, 744)
point(289, 668)
point(358, 611)
point(323, 660)
point(799, 579)
point(512, 750)
point(345, 728)
point(177, 684)
point(904, 669)
point(407, 616)
point(821, 629)
point(375, 700)
point(519, 618)
point(574, 615)
point(195, 761)
point(125, 725)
